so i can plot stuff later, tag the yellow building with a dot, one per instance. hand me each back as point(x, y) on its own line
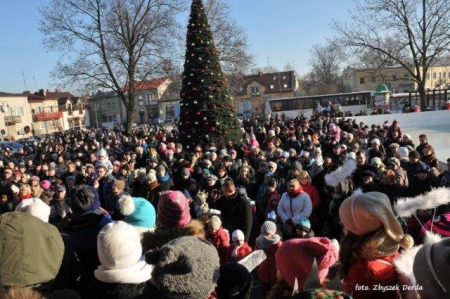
point(256, 90)
point(396, 78)
point(15, 116)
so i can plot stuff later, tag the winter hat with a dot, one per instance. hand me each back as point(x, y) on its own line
point(375, 141)
point(285, 154)
point(35, 207)
point(138, 212)
point(211, 177)
point(201, 196)
point(365, 213)
point(439, 225)
point(120, 253)
point(394, 160)
point(151, 175)
point(235, 282)
point(293, 265)
point(414, 154)
point(185, 172)
point(35, 178)
point(402, 152)
point(238, 235)
point(269, 227)
point(119, 184)
point(431, 268)
point(173, 209)
point(46, 184)
point(187, 267)
point(422, 167)
point(303, 224)
point(215, 223)
point(394, 145)
point(273, 165)
point(375, 161)
point(32, 250)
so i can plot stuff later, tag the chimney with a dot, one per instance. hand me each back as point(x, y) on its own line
point(57, 90)
point(260, 73)
point(42, 92)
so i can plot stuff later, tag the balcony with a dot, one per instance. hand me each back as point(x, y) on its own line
point(45, 116)
point(12, 120)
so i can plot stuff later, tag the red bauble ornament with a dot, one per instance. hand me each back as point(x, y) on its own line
point(213, 129)
point(199, 113)
point(194, 88)
point(208, 87)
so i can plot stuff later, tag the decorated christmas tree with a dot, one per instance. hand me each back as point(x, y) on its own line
point(206, 112)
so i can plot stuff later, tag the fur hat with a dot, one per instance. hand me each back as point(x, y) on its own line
point(35, 207)
point(138, 212)
point(173, 209)
point(431, 268)
point(365, 213)
point(235, 282)
point(273, 165)
point(293, 265)
point(120, 253)
point(238, 235)
point(215, 223)
point(201, 196)
point(187, 267)
point(394, 160)
point(35, 178)
point(269, 227)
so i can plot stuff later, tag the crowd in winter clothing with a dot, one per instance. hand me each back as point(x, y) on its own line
point(110, 214)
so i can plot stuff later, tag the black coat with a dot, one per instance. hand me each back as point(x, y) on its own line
point(104, 290)
point(236, 213)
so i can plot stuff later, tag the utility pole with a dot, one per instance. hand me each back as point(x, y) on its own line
point(96, 118)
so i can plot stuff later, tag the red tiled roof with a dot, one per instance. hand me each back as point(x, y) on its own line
point(148, 84)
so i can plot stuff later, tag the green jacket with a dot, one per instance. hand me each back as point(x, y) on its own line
point(31, 251)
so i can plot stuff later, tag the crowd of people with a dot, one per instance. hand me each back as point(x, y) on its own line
point(110, 214)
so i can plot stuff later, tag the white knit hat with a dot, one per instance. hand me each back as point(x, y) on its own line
point(269, 227)
point(35, 207)
point(120, 254)
point(238, 235)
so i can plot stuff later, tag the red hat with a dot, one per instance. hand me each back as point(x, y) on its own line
point(295, 258)
point(173, 209)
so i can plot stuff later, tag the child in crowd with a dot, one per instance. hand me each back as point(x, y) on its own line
point(239, 249)
point(219, 237)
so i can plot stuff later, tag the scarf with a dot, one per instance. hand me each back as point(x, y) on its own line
point(137, 273)
point(295, 193)
point(164, 178)
point(263, 242)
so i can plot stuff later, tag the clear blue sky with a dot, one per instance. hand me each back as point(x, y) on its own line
point(279, 31)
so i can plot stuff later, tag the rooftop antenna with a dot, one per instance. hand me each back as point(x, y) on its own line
point(24, 82)
point(268, 61)
point(35, 86)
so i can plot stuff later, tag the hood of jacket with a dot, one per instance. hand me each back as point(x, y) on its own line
point(31, 250)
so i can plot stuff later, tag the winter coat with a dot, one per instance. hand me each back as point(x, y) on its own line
point(242, 252)
point(81, 233)
point(371, 273)
point(267, 270)
point(297, 208)
point(236, 213)
point(104, 290)
point(220, 240)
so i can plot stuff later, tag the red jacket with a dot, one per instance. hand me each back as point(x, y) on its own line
point(243, 251)
point(366, 276)
point(313, 194)
point(267, 270)
point(220, 240)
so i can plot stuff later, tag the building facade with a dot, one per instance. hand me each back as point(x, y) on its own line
point(256, 90)
point(106, 109)
point(15, 116)
point(396, 78)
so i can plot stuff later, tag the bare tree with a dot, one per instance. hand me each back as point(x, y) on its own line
point(326, 74)
point(230, 39)
point(418, 31)
point(111, 44)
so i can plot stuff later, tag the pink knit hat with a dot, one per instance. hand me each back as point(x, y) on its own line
point(363, 213)
point(173, 209)
point(295, 258)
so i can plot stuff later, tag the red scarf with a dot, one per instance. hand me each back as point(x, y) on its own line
point(295, 193)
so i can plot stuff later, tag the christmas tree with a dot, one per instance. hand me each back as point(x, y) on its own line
point(206, 113)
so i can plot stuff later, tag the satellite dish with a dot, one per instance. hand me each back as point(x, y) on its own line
point(4, 106)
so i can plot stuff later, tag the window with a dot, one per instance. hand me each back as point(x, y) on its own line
point(16, 111)
point(394, 77)
point(405, 77)
point(255, 89)
point(440, 75)
point(271, 86)
point(141, 102)
point(373, 79)
point(443, 75)
point(428, 76)
point(434, 75)
point(284, 85)
point(361, 80)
